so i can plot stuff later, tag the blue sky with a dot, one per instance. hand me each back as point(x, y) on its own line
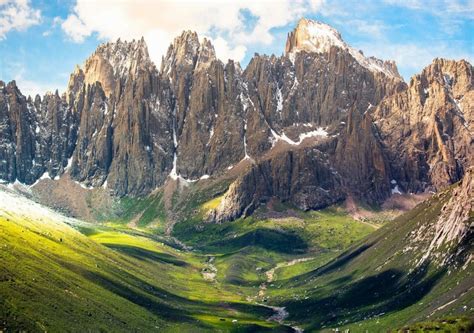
point(41, 41)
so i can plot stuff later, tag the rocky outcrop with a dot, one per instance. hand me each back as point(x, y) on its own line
point(427, 130)
point(209, 122)
point(125, 137)
point(361, 161)
point(316, 37)
point(37, 136)
point(17, 141)
point(315, 83)
point(303, 177)
point(448, 239)
point(56, 133)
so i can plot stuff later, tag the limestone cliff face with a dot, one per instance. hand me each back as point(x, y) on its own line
point(112, 64)
point(56, 133)
point(317, 82)
point(361, 161)
point(125, 137)
point(17, 140)
point(303, 177)
point(209, 115)
point(318, 88)
point(37, 137)
point(427, 130)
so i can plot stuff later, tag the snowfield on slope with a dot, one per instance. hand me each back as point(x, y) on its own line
point(14, 204)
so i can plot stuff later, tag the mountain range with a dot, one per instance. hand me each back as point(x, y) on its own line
point(321, 125)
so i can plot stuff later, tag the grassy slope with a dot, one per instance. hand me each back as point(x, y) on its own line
point(124, 278)
point(57, 279)
point(247, 248)
point(375, 286)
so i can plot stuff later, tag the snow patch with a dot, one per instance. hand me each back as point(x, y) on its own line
point(45, 175)
point(321, 37)
point(321, 132)
point(84, 186)
point(396, 190)
point(69, 164)
point(279, 99)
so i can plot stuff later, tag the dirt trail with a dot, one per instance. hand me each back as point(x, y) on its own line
point(271, 273)
point(209, 273)
point(280, 312)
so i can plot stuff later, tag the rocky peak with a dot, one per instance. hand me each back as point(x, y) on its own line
point(207, 54)
point(182, 53)
point(455, 76)
point(76, 81)
point(125, 57)
point(313, 36)
point(112, 62)
point(317, 37)
point(188, 53)
point(427, 129)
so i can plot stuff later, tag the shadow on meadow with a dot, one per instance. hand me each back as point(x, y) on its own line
point(268, 239)
point(347, 301)
point(167, 305)
point(143, 254)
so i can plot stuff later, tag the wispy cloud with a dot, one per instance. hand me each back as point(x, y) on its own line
point(367, 28)
point(17, 15)
point(449, 13)
point(463, 8)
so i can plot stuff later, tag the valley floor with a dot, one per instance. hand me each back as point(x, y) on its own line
point(281, 270)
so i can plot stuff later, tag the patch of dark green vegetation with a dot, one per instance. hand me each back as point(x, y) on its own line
point(144, 254)
point(268, 239)
point(378, 282)
point(447, 325)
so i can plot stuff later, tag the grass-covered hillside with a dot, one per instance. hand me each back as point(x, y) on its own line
point(156, 264)
point(62, 275)
point(380, 283)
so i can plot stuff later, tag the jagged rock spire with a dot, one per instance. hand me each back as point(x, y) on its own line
point(188, 53)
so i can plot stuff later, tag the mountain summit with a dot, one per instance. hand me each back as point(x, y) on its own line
point(313, 36)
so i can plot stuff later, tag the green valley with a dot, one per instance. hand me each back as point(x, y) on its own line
point(281, 269)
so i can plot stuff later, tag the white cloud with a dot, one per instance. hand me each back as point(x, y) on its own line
point(17, 15)
point(75, 28)
point(226, 52)
point(160, 21)
point(370, 28)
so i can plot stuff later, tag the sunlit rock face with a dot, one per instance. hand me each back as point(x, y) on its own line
point(427, 130)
